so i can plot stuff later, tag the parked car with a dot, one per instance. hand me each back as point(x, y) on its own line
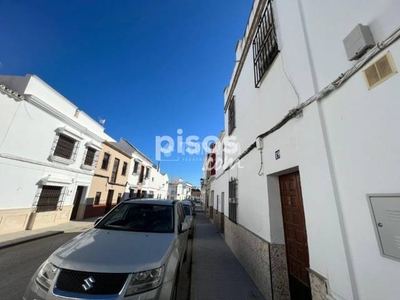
point(192, 206)
point(135, 252)
point(189, 216)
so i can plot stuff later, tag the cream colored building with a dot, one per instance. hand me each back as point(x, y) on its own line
point(109, 181)
point(145, 178)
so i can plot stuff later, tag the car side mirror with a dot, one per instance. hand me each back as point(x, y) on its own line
point(183, 227)
point(97, 221)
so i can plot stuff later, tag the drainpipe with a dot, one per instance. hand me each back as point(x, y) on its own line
point(329, 156)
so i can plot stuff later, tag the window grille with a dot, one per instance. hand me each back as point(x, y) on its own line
point(49, 198)
point(124, 168)
point(265, 44)
point(65, 146)
point(97, 198)
point(233, 200)
point(115, 170)
point(90, 156)
point(105, 162)
point(223, 153)
point(231, 116)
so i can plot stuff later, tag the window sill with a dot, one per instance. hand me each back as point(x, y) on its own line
point(61, 160)
point(87, 168)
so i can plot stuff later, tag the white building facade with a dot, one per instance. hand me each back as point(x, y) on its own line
point(145, 179)
point(48, 151)
point(178, 189)
point(311, 197)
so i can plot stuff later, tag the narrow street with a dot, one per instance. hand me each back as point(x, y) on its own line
point(202, 277)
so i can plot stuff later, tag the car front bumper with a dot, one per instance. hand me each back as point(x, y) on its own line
point(36, 292)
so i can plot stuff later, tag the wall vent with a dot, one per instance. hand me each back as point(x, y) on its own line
point(380, 70)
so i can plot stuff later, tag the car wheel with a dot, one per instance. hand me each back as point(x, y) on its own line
point(175, 287)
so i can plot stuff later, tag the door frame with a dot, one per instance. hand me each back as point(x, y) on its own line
point(294, 282)
point(110, 196)
point(77, 201)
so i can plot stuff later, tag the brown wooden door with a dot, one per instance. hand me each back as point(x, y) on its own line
point(77, 200)
point(294, 227)
point(110, 196)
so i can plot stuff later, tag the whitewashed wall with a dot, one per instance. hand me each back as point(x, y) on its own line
point(345, 147)
point(362, 130)
point(27, 134)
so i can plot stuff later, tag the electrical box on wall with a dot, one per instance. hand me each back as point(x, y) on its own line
point(358, 41)
point(385, 210)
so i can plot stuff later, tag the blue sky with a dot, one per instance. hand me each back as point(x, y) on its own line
point(148, 67)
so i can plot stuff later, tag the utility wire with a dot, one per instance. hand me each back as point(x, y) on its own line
point(324, 92)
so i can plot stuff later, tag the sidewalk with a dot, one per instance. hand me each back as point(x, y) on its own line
point(8, 240)
point(216, 272)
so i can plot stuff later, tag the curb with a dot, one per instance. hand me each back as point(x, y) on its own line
point(26, 239)
point(193, 291)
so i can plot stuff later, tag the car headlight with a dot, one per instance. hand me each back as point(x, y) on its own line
point(145, 280)
point(47, 273)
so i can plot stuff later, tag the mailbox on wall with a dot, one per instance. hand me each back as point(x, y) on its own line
point(385, 210)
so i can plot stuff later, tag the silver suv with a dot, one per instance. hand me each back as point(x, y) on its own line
point(135, 252)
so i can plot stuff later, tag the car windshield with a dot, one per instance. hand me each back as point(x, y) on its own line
point(187, 210)
point(139, 217)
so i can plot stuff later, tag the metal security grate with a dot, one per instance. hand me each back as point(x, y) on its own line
point(105, 162)
point(65, 146)
point(95, 283)
point(90, 155)
point(265, 44)
point(231, 116)
point(48, 199)
point(97, 198)
point(233, 200)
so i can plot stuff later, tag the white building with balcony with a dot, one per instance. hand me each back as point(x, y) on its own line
point(48, 151)
point(311, 197)
point(145, 179)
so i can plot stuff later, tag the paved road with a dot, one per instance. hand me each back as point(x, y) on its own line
point(18, 263)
